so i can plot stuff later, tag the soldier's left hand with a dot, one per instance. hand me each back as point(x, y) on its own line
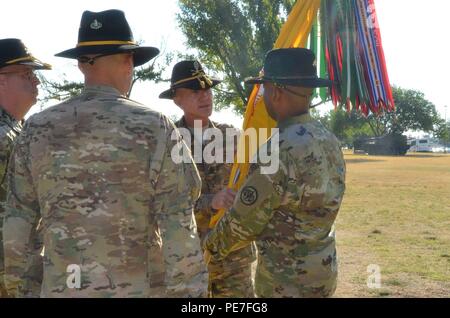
point(223, 199)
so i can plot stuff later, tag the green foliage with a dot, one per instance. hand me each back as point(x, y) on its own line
point(324, 119)
point(59, 90)
point(442, 131)
point(232, 38)
point(152, 72)
point(413, 112)
point(349, 126)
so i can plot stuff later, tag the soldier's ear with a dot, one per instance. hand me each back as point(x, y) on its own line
point(276, 93)
point(129, 60)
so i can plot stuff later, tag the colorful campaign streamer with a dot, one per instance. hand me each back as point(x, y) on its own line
point(351, 40)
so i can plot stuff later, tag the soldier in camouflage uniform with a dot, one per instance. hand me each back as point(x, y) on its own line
point(191, 91)
point(18, 92)
point(117, 211)
point(291, 212)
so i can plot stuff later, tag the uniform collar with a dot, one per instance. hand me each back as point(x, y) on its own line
point(5, 114)
point(101, 89)
point(300, 119)
point(183, 123)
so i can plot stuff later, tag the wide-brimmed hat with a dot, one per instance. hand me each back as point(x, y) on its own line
point(188, 74)
point(14, 52)
point(292, 66)
point(106, 33)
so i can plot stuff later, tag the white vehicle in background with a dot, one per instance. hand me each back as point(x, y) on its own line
point(425, 145)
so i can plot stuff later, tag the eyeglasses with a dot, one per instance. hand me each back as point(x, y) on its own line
point(27, 75)
point(91, 60)
point(290, 90)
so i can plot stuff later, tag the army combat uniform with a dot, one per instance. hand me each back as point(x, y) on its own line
point(231, 277)
point(9, 130)
point(115, 207)
point(290, 214)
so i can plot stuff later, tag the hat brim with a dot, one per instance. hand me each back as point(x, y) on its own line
point(169, 94)
point(142, 54)
point(310, 83)
point(33, 63)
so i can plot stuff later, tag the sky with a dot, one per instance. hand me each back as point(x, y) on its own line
point(413, 34)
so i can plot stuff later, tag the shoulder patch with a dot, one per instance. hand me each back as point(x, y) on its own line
point(249, 195)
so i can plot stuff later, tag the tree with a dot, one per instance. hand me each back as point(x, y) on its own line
point(153, 72)
point(442, 132)
point(323, 119)
point(232, 37)
point(59, 91)
point(348, 126)
point(413, 112)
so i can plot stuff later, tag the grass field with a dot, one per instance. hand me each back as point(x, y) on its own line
point(395, 214)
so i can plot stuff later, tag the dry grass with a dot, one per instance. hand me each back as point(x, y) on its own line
point(396, 214)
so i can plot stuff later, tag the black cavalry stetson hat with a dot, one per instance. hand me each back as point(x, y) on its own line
point(188, 74)
point(14, 52)
point(292, 66)
point(108, 32)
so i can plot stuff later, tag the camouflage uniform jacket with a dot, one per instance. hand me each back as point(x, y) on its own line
point(290, 214)
point(230, 277)
point(9, 130)
point(214, 177)
point(115, 207)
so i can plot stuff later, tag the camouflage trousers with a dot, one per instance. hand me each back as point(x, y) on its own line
point(232, 277)
point(2, 269)
point(3, 293)
point(31, 279)
point(30, 288)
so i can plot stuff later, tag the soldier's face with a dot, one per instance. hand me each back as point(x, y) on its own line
point(20, 83)
point(270, 100)
point(195, 103)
